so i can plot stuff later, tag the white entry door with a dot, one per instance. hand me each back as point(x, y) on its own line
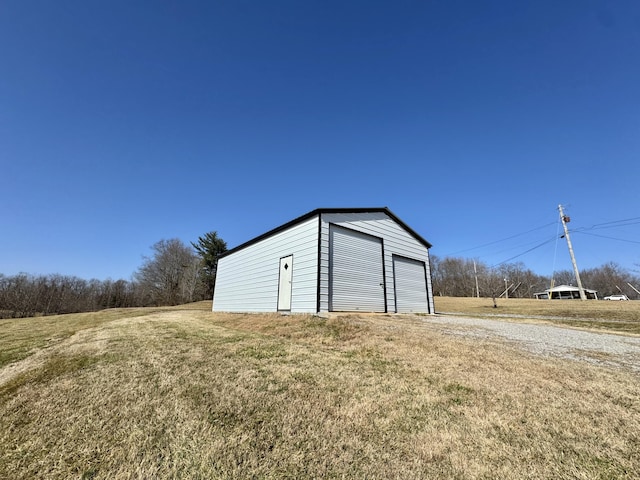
point(284, 284)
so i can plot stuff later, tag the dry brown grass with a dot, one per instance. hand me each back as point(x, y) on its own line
point(592, 314)
point(186, 393)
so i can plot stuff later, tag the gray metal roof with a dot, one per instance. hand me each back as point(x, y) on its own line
point(320, 211)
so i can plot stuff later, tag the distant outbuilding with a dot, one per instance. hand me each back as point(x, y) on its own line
point(566, 292)
point(329, 260)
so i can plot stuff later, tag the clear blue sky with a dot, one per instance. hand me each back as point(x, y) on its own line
point(126, 122)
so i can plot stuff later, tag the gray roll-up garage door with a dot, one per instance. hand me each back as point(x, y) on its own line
point(410, 285)
point(356, 272)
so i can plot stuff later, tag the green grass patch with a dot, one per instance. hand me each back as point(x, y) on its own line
point(20, 337)
point(338, 328)
point(262, 351)
point(55, 368)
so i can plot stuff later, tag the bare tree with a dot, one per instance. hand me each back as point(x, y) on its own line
point(26, 295)
point(609, 279)
point(162, 276)
point(564, 277)
point(18, 296)
point(521, 281)
point(453, 276)
point(492, 284)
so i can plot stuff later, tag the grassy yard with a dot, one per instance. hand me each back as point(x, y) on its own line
point(591, 314)
point(185, 393)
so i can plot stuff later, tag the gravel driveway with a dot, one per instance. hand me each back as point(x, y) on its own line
point(550, 340)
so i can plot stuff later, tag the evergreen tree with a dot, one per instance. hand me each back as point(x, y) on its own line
point(209, 247)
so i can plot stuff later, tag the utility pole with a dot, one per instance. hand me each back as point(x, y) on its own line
point(475, 272)
point(566, 220)
point(637, 291)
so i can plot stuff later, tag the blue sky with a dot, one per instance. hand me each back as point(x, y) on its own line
point(126, 122)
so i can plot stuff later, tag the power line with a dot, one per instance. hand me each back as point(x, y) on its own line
point(498, 241)
point(511, 249)
point(555, 252)
point(613, 224)
point(525, 252)
point(634, 219)
point(597, 226)
point(604, 236)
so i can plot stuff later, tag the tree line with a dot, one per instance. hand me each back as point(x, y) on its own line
point(174, 274)
point(178, 273)
point(464, 277)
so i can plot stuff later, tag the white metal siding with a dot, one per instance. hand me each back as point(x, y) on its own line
point(397, 241)
point(356, 272)
point(247, 280)
point(410, 285)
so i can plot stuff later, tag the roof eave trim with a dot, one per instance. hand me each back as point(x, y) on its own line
point(320, 211)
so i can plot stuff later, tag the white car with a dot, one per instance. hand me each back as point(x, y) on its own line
point(616, 297)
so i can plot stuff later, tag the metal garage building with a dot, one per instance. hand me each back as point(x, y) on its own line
point(329, 260)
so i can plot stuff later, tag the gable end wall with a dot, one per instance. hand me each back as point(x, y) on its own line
point(396, 241)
